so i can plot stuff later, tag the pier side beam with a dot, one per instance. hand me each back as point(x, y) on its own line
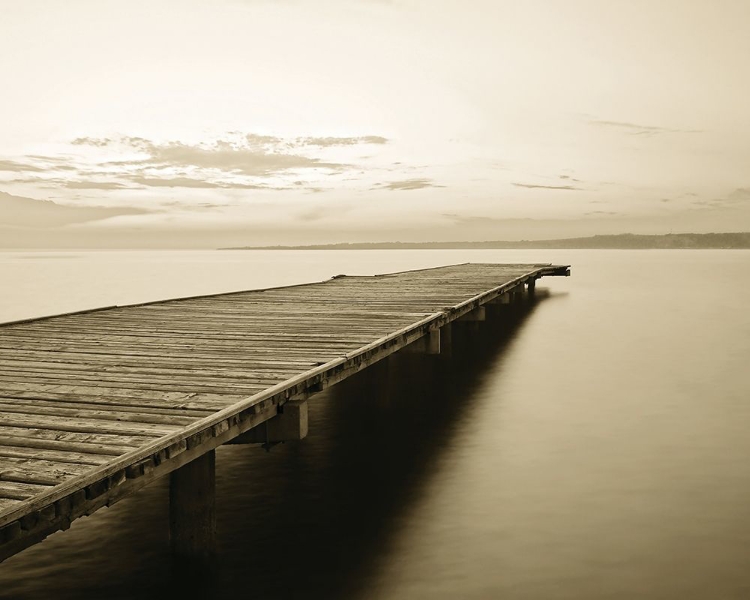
point(192, 512)
point(475, 316)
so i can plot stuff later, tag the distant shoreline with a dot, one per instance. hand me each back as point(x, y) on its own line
point(625, 241)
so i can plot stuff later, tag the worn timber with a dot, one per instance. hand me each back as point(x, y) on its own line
point(95, 405)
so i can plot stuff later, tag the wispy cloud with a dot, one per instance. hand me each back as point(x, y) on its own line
point(17, 211)
point(641, 130)
point(546, 187)
point(93, 185)
point(467, 219)
point(188, 182)
point(71, 184)
point(408, 184)
point(341, 141)
point(737, 197)
point(247, 157)
point(14, 166)
point(601, 213)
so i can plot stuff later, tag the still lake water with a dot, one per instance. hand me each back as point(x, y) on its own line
point(597, 446)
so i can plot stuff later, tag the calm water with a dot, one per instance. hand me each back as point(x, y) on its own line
point(595, 447)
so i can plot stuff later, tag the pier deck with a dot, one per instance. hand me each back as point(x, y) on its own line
point(95, 405)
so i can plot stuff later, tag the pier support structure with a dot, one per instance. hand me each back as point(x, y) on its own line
point(289, 424)
point(430, 343)
point(446, 340)
point(192, 511)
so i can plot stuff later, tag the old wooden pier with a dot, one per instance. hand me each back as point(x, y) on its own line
point(95, 405)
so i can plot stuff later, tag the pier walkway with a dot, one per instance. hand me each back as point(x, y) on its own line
point(95, 405)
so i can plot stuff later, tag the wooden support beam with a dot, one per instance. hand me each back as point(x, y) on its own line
point(532, 286)
point(427, 344)
point(289, 424)
point(192, 512)
point(446, 340)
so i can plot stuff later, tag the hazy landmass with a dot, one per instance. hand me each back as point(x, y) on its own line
point(31, 223)
point(625, 241)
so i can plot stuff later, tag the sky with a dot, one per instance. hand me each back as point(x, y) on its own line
point(243, 122)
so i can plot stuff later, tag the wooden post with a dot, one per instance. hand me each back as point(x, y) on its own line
point(192, 512)
point(433, 341)
point(446, 340)
point(532, 286)
point(289, 424)
point(472, 319)
point(427, 344)
point(475, 316)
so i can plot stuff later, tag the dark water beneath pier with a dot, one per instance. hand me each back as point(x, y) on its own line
point(595, 446)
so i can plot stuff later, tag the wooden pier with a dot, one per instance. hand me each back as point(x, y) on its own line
point(95, 405)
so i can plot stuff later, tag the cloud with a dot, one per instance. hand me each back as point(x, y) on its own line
point(17, 211)
point(56, 182)
point(249, 154)
point(737, 197)
point(642, 130)
point(408, 184)
point(547, 187)
point(92, 185)
point(89, 141)
point(236, 160)
point(267, 141)
point(314, 214)
point(166, 207)
point(244, 159)
point(341, 141)
point(189, 182)
point(469, 219)
point(17, 167)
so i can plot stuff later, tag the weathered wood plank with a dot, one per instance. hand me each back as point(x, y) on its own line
point(38, 434)
point(47, 407)
point(35, 470)
point(20, 491)
point(83, 425)
point(119, 396)
point(14, 441)
point(56, 455)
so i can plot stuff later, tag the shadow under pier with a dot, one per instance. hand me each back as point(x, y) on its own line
point(313, 518)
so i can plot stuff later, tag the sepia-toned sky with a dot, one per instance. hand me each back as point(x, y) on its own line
point(197, 124)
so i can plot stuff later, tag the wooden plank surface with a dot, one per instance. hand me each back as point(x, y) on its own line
point(92, 401)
